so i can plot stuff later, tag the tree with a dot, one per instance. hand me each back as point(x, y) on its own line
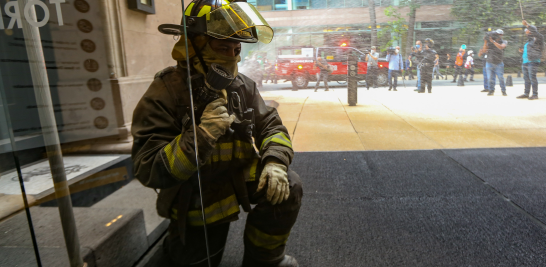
point(413, 6)
point(373, 23)
point(480, 15)
point(395, 29)
point(400, 26)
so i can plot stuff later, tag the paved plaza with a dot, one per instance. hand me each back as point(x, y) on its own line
point(449, 117)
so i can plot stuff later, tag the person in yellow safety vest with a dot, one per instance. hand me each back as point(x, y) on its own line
point(237, 167)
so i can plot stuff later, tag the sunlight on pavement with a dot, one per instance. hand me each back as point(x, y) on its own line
point(450, 117)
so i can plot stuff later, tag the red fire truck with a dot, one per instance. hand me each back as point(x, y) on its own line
point(296, 64)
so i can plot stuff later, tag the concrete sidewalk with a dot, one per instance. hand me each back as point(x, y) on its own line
point(450, 117)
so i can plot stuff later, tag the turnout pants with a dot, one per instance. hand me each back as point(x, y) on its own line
point(266, 232)
point(426, 78)
point(371, 78)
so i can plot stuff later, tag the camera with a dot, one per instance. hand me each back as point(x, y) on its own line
point(492, 35)
point(391, 50)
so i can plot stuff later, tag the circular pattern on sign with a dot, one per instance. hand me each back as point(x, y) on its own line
point(101, 122)
point(82, 6)
point(97, 103)
point(94, 84)
point(88, 46)
point(353, 67)
point(85, 26)
point(91, 65)
point(352, 73)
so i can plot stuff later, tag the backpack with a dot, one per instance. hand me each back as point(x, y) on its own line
point(330, 69)
point(459, 61)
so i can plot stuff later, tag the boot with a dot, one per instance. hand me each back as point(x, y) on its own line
point(288, 261)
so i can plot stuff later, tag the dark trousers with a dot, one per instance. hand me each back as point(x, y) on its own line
point(266, 232)
point(323, 76)
point(271, 76)
point(426, 78)
point(393, 75)
point(469, 71)
point(458, 71)
point(530, 77)
point(371, 77)
point(410, 73)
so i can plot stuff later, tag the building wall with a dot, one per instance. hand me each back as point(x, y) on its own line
point(146, 51)
point(347, 16)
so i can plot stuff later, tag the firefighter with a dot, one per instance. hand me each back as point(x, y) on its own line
point(243, 159)
point(428, 56)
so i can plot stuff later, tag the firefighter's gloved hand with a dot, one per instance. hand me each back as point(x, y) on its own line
point(215, 120)
point(278, 188)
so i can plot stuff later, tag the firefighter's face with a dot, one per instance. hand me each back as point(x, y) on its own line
point(226, 47)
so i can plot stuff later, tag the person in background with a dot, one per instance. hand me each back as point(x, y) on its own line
point(371, 76)
point(323, 75)
point(483, 57)
point(416, 60)
point(437, 67)
point(396, 65)
point(495, 57)
point(532, 51)
point(469, 66)
point(459, 62)
point(269, 70)
point(427, 65)
point(449, 65)
point(409, 65)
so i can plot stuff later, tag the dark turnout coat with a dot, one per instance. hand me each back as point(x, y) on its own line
point(164, 153)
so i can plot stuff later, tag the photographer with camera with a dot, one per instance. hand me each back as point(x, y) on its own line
point(531, 53)
point(494, 46)
point(371, 76)
point(396, 65)
point(426, 65)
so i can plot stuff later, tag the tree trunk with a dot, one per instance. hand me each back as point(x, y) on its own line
point(371, 7)
point(411, 28)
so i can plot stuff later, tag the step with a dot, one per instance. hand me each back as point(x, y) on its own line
point(108, 237)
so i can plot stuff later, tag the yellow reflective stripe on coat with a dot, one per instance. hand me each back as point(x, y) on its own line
point(279, 138)
point(227, 151)
point(215, 212)
point(180, 166)
point(243, 150)
point(249, 171)
point(263, 240)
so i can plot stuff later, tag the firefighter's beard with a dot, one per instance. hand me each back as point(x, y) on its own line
point(210, 56)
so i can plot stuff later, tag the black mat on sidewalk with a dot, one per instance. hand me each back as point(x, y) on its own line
point(417, 208)
point(411, 208)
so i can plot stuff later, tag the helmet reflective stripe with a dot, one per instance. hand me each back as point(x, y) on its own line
point(205, 10)
point(188, 10)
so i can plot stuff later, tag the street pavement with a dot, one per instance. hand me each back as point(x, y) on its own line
point(450, 117)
